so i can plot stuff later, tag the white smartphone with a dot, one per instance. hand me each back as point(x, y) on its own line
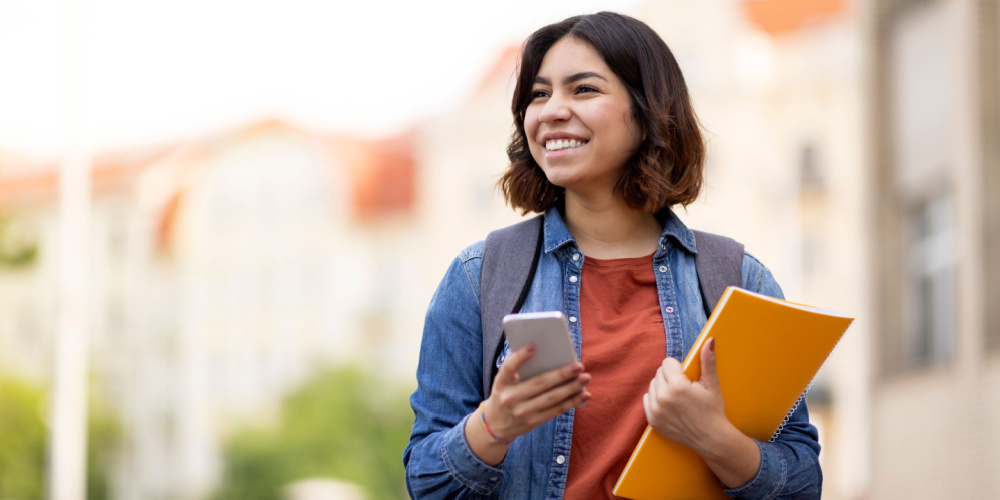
point(549, 331)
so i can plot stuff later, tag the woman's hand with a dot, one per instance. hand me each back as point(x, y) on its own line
point(685, 411)
point(693, 414)
point(515, 408)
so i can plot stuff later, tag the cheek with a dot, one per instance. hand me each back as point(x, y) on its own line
point(530, 130)
point(530, 125)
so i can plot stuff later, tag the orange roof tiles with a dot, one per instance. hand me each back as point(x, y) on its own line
point(382, 172)
point(785, 16)
point(29, 183)
point(384, 180)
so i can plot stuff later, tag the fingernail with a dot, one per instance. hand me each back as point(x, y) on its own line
point(711, 345)
point(577, 367)
point(585, 378)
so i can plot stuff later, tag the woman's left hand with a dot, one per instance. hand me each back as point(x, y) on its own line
point(685, 411)
point(693, 414)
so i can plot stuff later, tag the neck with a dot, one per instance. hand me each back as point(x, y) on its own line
point(607, 228)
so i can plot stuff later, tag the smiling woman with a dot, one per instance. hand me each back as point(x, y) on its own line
point(668, 163)
point(605, 143)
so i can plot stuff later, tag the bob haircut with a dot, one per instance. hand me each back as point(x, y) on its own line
point(668, 167)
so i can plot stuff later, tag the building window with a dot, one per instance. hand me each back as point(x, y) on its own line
point(811, 177)
point(919, 91)
point(929, 294)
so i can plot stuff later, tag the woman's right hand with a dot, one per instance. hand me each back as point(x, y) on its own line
point(516, 407)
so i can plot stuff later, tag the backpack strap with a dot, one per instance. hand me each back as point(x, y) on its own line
point(719, 263)
point(508, 269)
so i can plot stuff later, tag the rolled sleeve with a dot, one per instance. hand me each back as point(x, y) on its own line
point(769, 479)
point(465, 466)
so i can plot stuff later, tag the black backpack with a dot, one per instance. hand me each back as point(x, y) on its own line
point(508, 269)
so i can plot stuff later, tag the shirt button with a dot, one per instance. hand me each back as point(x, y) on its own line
point(572, 319)
point(573, 279)
point(670, 309)
point(576, 256)
point(560, 460)
point(494, 479)
point(663, 269)
point(662, 246)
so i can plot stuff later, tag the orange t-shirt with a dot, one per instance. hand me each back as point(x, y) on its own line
point(623, 345)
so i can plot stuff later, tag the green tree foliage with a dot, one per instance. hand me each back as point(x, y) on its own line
point(24, 441)
point(341, 424)
point(17, 248)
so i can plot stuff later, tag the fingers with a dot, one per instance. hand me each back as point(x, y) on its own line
point(547, 389)
point(507, 374)
point(682, 410)
point(672, 372)
point(669, 379)
point(545, 381)
point(709, 376)
point(559, 400)
point(522, 406)
point(553, 397)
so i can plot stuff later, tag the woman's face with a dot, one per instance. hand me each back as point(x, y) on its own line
point(579, 122)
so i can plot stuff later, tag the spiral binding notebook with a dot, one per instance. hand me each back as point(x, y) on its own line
point(767, 353)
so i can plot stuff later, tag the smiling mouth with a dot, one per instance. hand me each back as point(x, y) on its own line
point(563, 144)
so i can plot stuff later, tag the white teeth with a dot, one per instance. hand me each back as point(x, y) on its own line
point(563, 144)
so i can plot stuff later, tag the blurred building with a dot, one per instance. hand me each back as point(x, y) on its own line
point(935, 124)
point(225, 270)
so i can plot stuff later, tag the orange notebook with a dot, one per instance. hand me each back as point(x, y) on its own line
point(767, 352)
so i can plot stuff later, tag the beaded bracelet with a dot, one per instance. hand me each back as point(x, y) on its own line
point(482, 418)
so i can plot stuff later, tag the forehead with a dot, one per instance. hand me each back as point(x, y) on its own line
point(571, 55)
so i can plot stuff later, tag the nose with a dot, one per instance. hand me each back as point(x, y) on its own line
point(556, 108)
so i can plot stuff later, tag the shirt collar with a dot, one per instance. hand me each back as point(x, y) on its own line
point(674, 228)
point(557, 234)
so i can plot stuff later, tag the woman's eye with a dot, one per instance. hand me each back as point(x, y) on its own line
point(536, 94)
point(585, 88)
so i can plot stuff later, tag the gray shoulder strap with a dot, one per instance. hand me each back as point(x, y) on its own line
point(507, 260)
point(719, 262)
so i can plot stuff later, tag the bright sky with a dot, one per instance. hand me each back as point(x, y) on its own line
point(157, 71)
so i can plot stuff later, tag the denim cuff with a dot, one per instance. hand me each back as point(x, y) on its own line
point(770, 478)
point(464, 465)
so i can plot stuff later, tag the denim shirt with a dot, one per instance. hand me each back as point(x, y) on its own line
point(439, 462)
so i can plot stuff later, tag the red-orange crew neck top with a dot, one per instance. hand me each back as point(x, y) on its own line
point(623, 345)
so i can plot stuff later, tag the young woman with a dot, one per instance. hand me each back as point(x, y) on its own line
point(606, 142)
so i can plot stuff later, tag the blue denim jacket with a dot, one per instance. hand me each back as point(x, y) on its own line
point(438, 460)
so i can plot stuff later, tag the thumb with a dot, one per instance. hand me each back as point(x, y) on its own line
point(508, 370)
point(709, 376)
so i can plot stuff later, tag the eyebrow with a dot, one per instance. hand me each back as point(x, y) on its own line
point(571, 78)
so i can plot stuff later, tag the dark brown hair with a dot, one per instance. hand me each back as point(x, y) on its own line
point(668, 166)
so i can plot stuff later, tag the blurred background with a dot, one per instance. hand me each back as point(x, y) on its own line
point(221, 223)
